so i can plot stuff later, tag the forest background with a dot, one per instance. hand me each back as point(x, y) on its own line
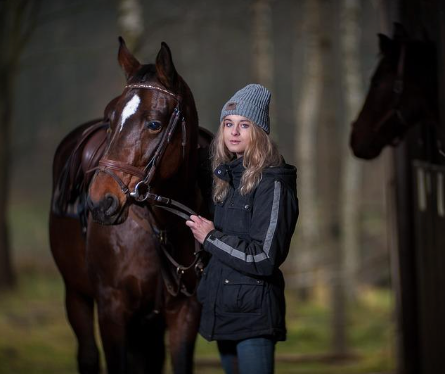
point(59, 69)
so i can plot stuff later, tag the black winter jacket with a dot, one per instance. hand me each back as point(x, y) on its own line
point(242, 288)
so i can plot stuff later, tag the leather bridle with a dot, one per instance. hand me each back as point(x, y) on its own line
point(142, 188)
point(397, 89)
point(142, 193)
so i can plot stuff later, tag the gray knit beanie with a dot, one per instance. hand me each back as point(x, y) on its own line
point(251, 102)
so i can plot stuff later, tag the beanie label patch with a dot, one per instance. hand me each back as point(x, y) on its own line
point(231, 106)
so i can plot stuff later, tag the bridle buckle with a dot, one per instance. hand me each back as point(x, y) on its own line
point(141, 191)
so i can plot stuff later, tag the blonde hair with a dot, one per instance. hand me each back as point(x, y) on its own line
point(261, 153)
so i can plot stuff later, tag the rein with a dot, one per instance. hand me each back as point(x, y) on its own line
point(397, 89)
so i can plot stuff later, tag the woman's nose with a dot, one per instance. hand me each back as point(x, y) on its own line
point(235, 130)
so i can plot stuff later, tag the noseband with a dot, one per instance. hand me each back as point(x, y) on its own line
point(397, 89)
point(141, 190)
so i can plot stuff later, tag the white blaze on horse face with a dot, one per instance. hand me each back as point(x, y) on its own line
point(129, 110)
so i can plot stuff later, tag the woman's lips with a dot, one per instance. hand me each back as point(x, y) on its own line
point(235, 141)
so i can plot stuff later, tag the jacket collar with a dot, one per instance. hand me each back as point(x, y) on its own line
point(231, 172)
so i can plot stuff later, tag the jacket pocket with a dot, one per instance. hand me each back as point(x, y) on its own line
point(243, 295)
point(219, 215)
point(238, 214)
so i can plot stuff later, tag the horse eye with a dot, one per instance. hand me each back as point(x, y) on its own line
point(154, 125)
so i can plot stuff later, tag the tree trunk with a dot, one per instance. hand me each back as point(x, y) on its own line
point(307, 118)
point(351, 170)
point(344, 281)
point(262, 43)
point(17, 22)
point(262, 48)
point(131, 23)
point(7, 278)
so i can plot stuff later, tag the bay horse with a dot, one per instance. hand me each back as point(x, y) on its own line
point(137, 262)
point(402, 94)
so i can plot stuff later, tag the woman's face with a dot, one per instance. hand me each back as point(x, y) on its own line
point(236, 133)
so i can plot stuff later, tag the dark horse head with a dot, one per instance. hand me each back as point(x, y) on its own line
point(152, 139)
point(402, 94)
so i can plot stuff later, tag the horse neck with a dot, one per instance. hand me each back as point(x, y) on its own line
point(423, 68)
point(423, 71)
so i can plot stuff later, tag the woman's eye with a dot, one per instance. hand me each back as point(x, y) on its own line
point(228, 124)
point(245, 125)
point(154, 125)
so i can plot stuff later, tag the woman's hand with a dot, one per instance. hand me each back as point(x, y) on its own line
point(200, 227)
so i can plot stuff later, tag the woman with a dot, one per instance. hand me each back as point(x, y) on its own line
point(242, 288)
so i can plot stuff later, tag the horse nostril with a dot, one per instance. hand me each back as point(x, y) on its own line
point(110, 204)
point(90, 204)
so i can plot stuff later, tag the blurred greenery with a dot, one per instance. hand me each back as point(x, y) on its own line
point(36, 338)
point(28, 220)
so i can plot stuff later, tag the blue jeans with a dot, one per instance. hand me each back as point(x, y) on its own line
point(249, 356)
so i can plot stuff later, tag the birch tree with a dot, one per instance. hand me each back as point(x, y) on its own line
point(131, 23)
point(346, 262)
point(307, 118)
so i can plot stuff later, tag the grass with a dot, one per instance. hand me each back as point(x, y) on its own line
point(35, 337)
point(28, 220)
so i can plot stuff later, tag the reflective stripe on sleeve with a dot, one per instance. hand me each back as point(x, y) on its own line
point(269, 236)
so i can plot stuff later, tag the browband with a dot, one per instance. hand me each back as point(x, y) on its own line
point(150, 87)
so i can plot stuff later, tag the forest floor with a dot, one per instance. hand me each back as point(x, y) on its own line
point(35, 337)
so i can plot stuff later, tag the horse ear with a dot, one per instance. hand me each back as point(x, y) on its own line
point(165, 68)
point(385, 44)
point(400, 32)
point(129, 64)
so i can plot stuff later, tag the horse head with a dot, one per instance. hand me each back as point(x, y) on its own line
point(402, 93)
point(152, 138)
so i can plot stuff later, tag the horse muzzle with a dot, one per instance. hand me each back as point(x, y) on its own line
point(105, 211)
point(363, 143)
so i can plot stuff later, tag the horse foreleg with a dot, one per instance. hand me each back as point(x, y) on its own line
point(113, 327)
point(183, 328)
point(146, 348)
point(80, 312)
